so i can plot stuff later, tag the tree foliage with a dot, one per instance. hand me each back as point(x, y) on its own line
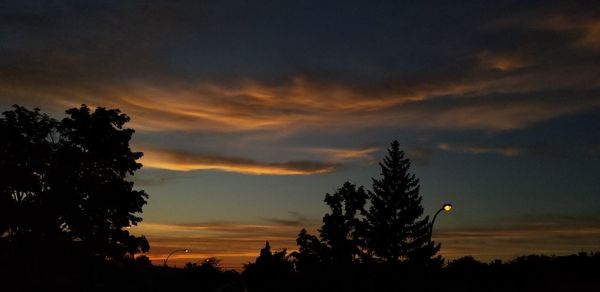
point(343, 228)
point(25, 161)
point(341, 237)
point(269, 271)
point(395, 231)
point(65, 182)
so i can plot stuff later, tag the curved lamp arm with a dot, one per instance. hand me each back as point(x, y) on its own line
point(177, 250)
point(446, 207)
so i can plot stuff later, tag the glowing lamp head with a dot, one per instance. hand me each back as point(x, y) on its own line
point(447, 207)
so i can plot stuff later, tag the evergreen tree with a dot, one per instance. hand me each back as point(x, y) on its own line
point(395, 233)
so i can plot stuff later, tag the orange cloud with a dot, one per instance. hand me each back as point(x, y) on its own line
point(307, 105)
point(337, 154)
point(588, 28)
point(582, 27)
point(503, 62)
point(185, 161)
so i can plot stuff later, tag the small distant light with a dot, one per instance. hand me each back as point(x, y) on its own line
point(447, 207)
point(186, 250)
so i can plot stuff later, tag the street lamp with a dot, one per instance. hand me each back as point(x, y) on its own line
point(177, 250)
point(446, 207)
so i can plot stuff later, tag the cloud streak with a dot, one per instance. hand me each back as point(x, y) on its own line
point(507, 243)
point(186, 161)
point(504, 151)
point(338, 154)
point(306, 106)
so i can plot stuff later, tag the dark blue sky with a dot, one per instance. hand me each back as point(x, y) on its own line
point(250, 111)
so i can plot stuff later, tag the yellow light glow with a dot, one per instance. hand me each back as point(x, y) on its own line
point(447, 207)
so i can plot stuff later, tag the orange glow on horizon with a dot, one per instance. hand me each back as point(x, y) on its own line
point(237, 244)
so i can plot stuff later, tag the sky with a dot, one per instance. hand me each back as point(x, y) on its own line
point(249, 112)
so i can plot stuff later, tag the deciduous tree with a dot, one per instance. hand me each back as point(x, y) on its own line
point(68, 181)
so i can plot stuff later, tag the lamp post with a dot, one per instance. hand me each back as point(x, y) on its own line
point(177, 250)
point(446, 207)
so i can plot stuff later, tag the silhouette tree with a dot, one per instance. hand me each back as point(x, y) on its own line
point(395, 233)
point(341, 235)
point(269, 272)
point(25, 156)
point(342, 228)
point(208, 266)
point(95, 160)
point(312, 254)
point(67, 181)
point(273, 263)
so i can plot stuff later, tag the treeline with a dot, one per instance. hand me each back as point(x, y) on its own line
point(578, 272)
point(527, 273)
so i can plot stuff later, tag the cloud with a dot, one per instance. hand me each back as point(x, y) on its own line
point(337, 154)
point(297, 220)
point(185, 161)
point(574, 24)
point(509, 242)
point(301, 105)
point(55, 57)
point(420, 155)
point(584, 26)
point(504, 151)
point(503, 62)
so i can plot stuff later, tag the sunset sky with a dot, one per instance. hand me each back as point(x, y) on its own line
point(248, 112)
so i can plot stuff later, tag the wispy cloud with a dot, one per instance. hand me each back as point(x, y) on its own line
point(297, 220)
point(304, 105)
point(503, 62)
point(337, 154)
point(585, 26)
point(509, 242)
point(103, 65)
point(574, 24)
point(186, 161)
point(504, 151)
